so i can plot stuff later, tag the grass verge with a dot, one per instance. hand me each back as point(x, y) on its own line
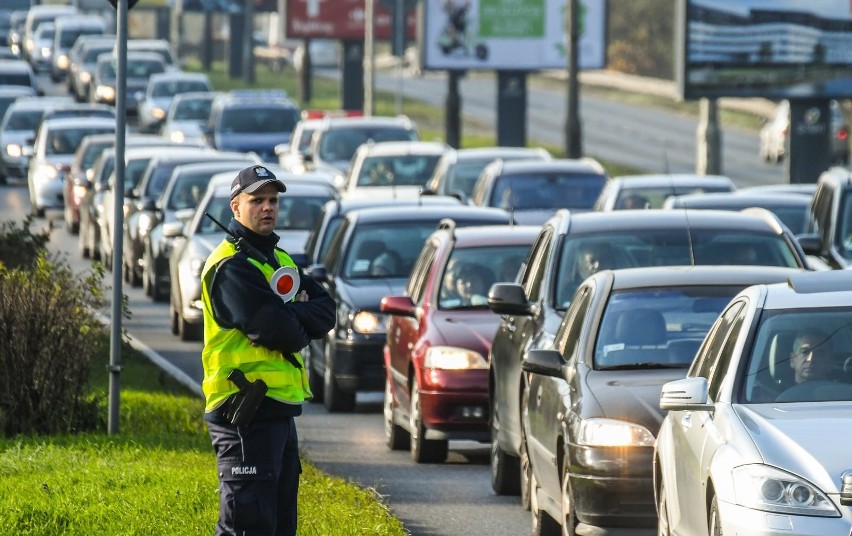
point(157, 476)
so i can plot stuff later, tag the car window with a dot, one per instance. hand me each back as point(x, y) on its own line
point(657, 327)
point(300, 213)
point(844, 232)
point(568, 336)
point(470, 272)
point(726, 353)
point(341, 144)
point(422, 267)
point(711, 348)
point(535, 264)
point(542, 191)
point(402, 170)
point(67, 140)
point(193, 109)
point(22, 120)
point(771, 374)
point(258, 120)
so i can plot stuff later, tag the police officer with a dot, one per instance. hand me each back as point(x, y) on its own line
point(255, 321)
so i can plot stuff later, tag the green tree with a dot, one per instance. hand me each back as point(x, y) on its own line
point(641, 37)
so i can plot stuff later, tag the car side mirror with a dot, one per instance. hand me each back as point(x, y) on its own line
point(811, 243)
point(687, 394)
point(173, 229)
point(547, 362)
point(509, 299)
point(398, 305)
point(148, 204)
point(318, 272)
point(27, 151)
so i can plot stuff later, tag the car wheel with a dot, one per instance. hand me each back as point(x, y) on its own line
point(335, 399)
point(542, 523)
point(505, 468)
point(423, 450)
point(188, 331)
point(525, 469)
point(315, 380)
point(569, 517)
point(82, 241)
point(173, 314)
point(133, 276)
point(159, 292)
point(396, 437)
point(663, 512)
point(92, 241)
point(715, 524)
point(72, 226)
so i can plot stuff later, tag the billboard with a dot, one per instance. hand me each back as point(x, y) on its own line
point(777, 49)
point(509, 34)
point(340, 19)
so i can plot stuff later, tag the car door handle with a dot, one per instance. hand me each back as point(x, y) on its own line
point(686, 421)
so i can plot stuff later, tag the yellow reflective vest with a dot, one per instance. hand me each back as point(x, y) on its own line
point(228, 348)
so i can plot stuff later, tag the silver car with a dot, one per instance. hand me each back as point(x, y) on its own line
point(757, 435)
point(162, 89)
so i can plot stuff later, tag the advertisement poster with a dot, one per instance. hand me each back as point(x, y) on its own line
point(509, 34)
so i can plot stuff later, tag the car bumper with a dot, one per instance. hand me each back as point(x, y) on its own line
point(50, 193)
point(359, 364)
point(14, 168)
point(613, 487)
point(740, 520)
point(454, 404)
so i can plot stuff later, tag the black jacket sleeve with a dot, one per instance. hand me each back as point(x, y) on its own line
point(242, 299)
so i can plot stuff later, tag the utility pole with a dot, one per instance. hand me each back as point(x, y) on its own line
point(573, 128)
point(369, 57)
point(248, 42)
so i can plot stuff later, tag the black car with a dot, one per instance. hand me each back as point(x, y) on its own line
point(591, 424)
point(533, 307)
point(371, 256)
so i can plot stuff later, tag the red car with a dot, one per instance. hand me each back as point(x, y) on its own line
point(439, 336)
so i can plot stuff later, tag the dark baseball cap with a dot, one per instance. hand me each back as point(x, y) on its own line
point(252, 178)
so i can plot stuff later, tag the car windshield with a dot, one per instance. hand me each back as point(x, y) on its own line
point(15, 79)
point(67, 140)
point(654, 197)
point(68, 37)
point(193, 110)
point(133, 172)
point(402, 170)
point(93, 52)
point(470, 272)
point(632, 248)
point(800, 355)
point(660, 327)
point(93, 151)
point(340, 144)
point(259, 120)
point(187, 190)
point(547, 191)
point(135, 69)
point(22, 120)
point(462, 177)
point(385, 251)
point(171, 88)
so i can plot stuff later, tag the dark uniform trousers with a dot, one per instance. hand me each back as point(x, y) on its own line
point(259, 471)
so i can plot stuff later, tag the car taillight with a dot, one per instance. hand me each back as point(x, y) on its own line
point(842, 134)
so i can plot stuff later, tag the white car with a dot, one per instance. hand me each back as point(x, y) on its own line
point(161, 91)
point(757, 435)
point(392, 169)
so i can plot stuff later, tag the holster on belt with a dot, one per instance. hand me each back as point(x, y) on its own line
point(243, 405)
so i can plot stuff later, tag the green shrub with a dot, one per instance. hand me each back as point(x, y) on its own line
point(50, 338)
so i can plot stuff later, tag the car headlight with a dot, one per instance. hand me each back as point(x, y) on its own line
point(613, 433)
point(195, 266)
point(62, 61)
point(369, 323)
point(105, 92)
point(178, 137)
point(452, 358)
point(762, 487)
point(45, 173)
point(45, 52)
point(158, 113)
point(146, 222)
point(14, 150)
point(85, 77)
point(79, 191)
